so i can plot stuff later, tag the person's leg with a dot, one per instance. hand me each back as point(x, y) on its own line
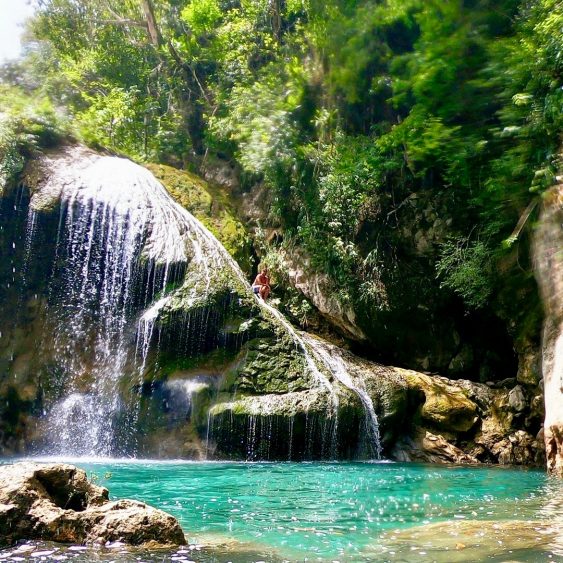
point(266, 291)
point(263, 289)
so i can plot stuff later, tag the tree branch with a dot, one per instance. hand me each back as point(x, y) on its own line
point(152, 27)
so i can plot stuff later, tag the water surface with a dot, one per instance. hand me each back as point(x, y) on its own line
point(345, 511)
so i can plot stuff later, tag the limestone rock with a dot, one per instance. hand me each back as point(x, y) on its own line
point(516, 449)
point(55, 502)
point(548, 258)
point(445, 405)
point(537, 410)
point(529, 367)
point(431, 448)
point(286, 404)
point(316, 287)
point(516, 399)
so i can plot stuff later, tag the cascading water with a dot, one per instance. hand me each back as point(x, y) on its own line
point(320, 379)
point(121, 241)
point(181, 395)
point(331, 357)
point(124, 250)
point(118, 231)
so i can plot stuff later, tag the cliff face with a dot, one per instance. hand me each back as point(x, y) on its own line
point(127, 329)
point(548, 247)
point(411, 318)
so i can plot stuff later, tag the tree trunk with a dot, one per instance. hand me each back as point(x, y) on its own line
point(275, 10)
point(548, 254)
point(191, 104)
point(152, 27)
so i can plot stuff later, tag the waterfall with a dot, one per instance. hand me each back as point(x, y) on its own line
point(121, 241)
point(181, 395)
point(123, 248)
point(124, 257)
point(331, 357)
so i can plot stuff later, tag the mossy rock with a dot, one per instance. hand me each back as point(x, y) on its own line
point(271, 365)
point(286, 405)
point(210, 204)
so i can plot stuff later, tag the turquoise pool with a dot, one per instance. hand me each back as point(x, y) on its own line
point(343, 511)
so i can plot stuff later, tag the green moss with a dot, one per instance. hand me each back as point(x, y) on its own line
point(272, 365)
point(215, 361)
point(210, 204)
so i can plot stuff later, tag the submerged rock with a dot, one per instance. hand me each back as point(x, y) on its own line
point(469, 540)
point(56, 502)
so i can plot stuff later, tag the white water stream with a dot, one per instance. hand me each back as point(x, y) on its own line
point(331, 356)
point(121, 240)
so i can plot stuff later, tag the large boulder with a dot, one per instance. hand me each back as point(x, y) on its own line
point(445, 405)
point(56, 502)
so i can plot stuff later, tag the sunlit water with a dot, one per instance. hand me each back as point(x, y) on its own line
point(338, 511)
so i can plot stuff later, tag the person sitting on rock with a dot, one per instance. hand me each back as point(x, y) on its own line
point(261, 285)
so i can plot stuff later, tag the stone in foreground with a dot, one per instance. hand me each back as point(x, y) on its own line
point(55, 502)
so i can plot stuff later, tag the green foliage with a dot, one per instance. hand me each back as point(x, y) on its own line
point(111, 120)
point(349, 172)
point(344, 110)
point(258, 122)
point(113, 80)
point(465, 267)
point(26, 125)
point(11, 161)
point(202, 16)
point(298, 308)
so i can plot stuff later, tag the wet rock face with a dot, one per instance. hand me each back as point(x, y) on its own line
point(421, 418)
point(289, 426)
point(56, 502)
point(549, 273)
point(105, 278)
